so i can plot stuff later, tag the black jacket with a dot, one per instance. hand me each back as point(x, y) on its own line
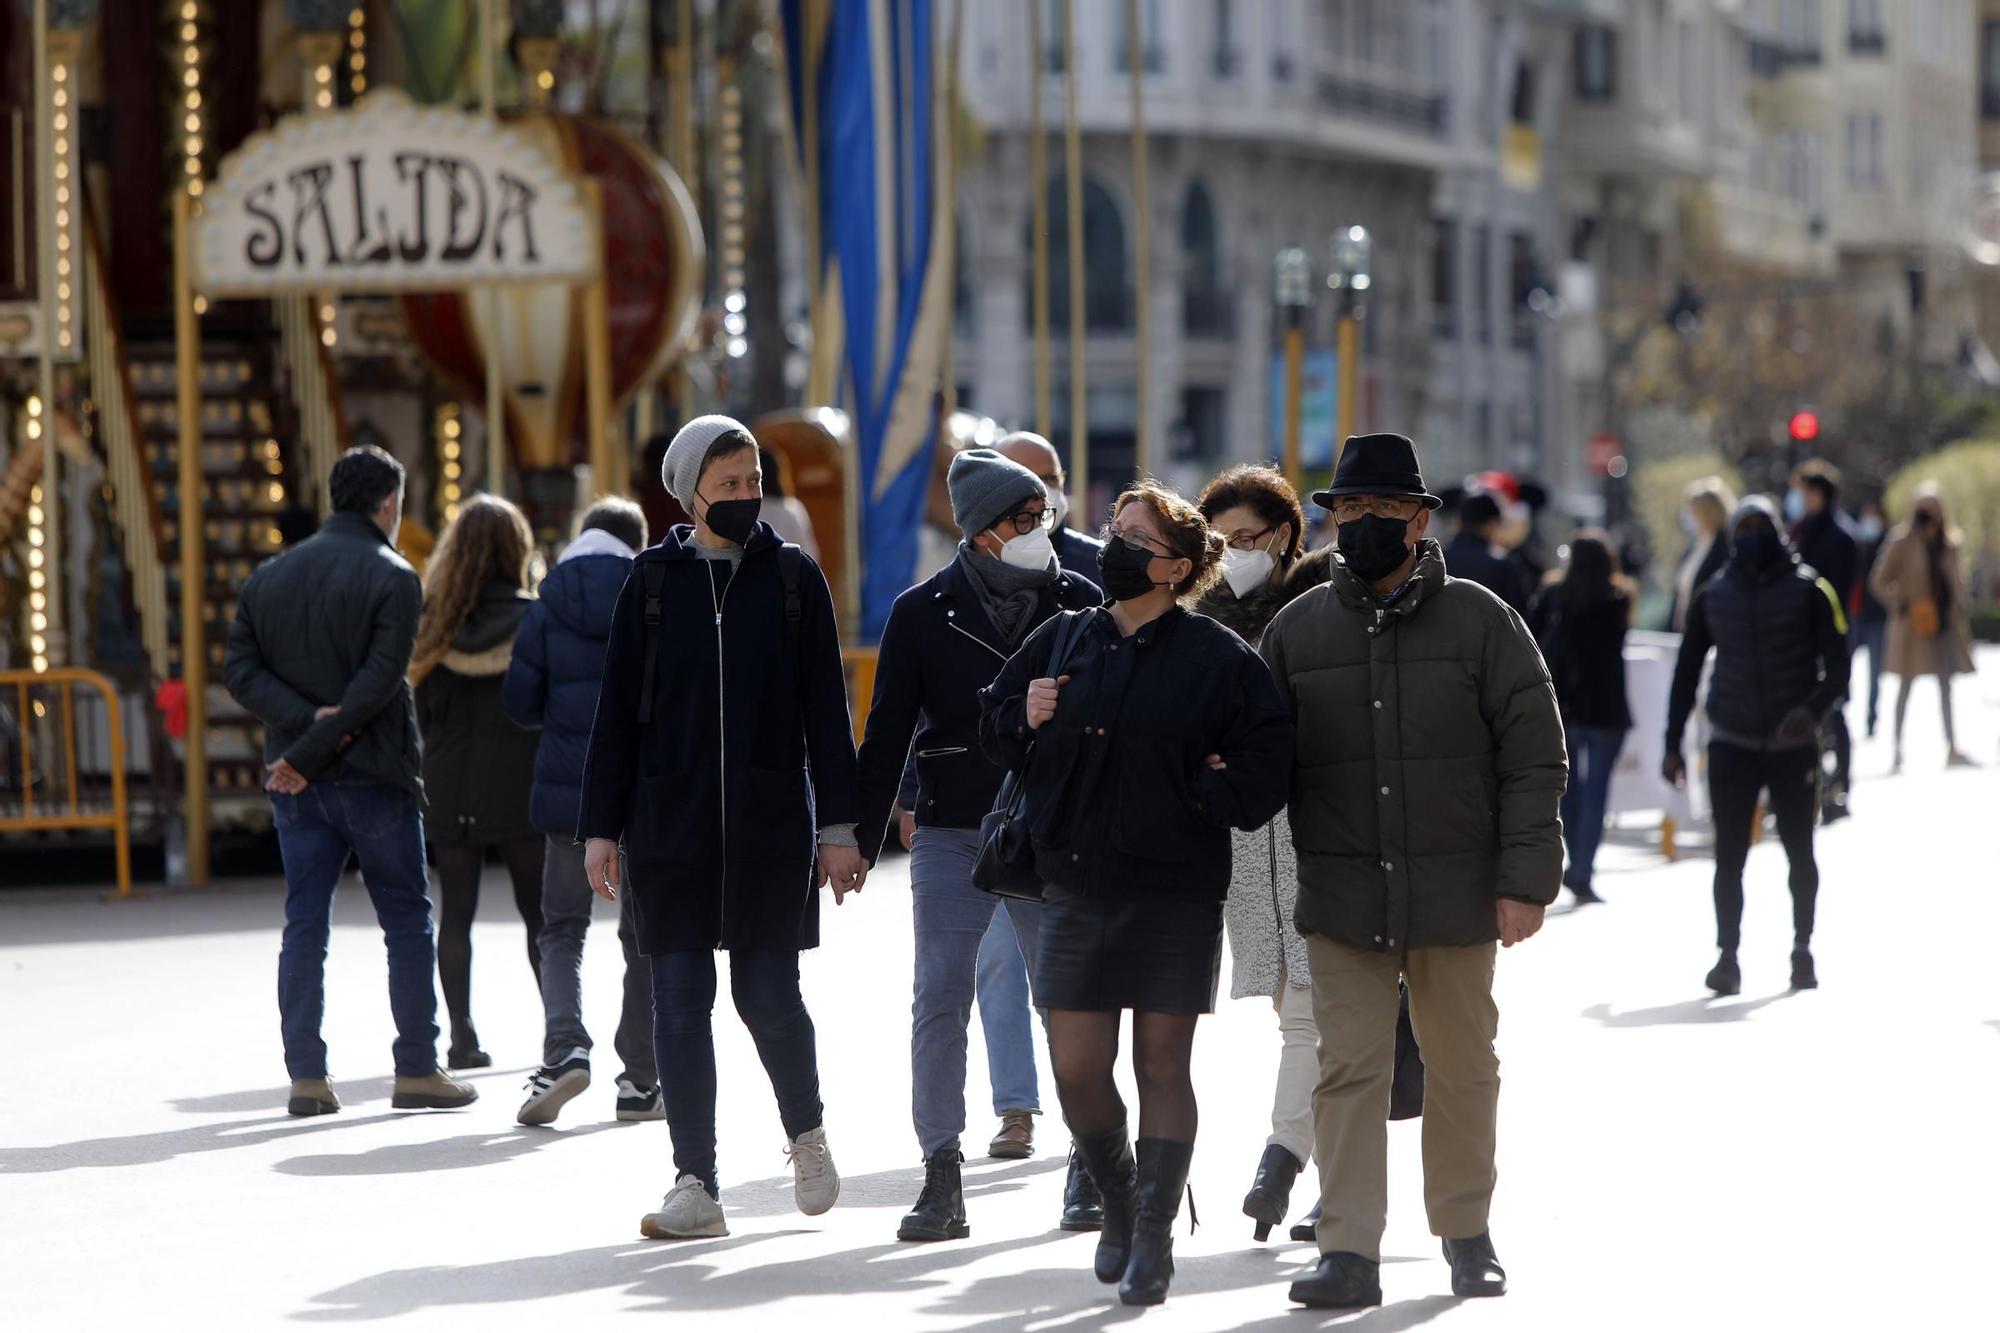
point(1468, 556)
point(1827, 546)
point(1077, 554)
point(749, 750)
point(1119, 800)
point(937, 650)
point(1779, 643)
point(1584, 648)
point(478, 762)
point(332, 622)
point(553, 680)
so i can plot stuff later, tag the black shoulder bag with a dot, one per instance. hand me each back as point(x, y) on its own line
point(1006, 864)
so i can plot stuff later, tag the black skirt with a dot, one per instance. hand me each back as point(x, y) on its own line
point(1154, 955)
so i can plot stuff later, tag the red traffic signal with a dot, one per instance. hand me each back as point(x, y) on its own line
point(1805, 427)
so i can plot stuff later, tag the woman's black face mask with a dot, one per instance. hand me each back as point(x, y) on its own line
point(1126, 570)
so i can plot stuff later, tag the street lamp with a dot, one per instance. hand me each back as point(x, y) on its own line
point(1293, 276)
point(1351, 275)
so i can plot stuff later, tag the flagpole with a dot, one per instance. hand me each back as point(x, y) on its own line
point(1079, 425)
point(1141, 209)
point(948, 368)
point(818, 391)
point(496, 411)
point(1038, 228)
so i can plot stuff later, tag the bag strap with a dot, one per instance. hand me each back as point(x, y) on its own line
point(653, 583)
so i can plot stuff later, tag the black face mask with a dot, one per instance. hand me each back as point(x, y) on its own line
point(1125, 569)
point(732, 520)
point(1759, 549)
point(1374, 547)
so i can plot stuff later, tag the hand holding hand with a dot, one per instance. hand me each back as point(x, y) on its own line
point(1042, 700)
point(600, 867)
point(284, 778)
point(1518, 921)
point(843, 867)
point(906, 828)
point(1674, 769)
point(1215, 762)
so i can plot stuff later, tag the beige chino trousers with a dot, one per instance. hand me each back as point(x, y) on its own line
point(1452, 1010)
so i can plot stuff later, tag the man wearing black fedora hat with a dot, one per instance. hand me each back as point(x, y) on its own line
point(1429, 763)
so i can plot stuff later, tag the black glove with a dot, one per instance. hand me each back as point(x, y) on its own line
point(1798, 726)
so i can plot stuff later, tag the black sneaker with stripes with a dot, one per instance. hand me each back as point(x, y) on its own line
point(551, 1087)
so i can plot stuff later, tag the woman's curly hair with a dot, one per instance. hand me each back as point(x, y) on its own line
point(1184, 530)
point(489, 540)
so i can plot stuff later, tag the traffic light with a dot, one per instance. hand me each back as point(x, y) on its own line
point(1805, 427)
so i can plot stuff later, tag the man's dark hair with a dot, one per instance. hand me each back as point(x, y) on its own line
point(1478, 511)
point(362, 478)
point(620, 517)
point(1819, 475)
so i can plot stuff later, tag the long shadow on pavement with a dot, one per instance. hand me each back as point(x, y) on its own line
point(1705, 1010)
point(454, 1154)
point(773, 1196)
point(350, 1092)
point(1396, 1317)
point(146, 1149)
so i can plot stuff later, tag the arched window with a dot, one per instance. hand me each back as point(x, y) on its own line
point(1107, 303)
point(1204, 308)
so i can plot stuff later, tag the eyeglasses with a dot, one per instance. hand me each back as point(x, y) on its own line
point(1250, 541)
point(1134, 537)
point(1025, 521)
point(1348, 508)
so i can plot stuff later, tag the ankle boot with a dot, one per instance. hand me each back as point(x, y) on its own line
point(940, 1210)
point(1108, 1160)
point(1725, 978)
point(1082, 1209)
point(1163, 1173)
point(1270, 1196)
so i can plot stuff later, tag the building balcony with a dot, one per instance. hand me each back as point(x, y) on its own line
point(1401, 108)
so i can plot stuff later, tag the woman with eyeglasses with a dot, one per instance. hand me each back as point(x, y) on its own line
point(1157, 734)
point(945, 638)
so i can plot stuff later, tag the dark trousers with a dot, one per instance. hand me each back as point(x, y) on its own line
point(1736, 777)
point(382, 827)
point(765, 986)
point(460, 866)
point(1593, 755)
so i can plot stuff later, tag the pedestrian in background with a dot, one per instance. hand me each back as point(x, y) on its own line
point(1156, 735)
point(1780, 646)
point(945, 639)
point(1475, 556)
point(721, 755)
point(1430, 764)
point(1826, 545)
point(1704, 518)
point(1265, 566)
point(552, 684)
point(1871, 621)
point(478, 764)
point(785, 512)
point(1580, 621)
point(1921, 581)
point(318, 653)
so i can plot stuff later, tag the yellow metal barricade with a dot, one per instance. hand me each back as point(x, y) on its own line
point(52, 795)
point(860, 664)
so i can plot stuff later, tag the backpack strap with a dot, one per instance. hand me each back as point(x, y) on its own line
point(653, 584)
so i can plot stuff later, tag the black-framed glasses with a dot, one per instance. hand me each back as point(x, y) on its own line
point(1250, 541)
point(1134, 537)
point(1348, 508)
point(1025, 521)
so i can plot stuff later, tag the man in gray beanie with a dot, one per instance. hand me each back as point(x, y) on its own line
point(945, 639)
point(731, 806)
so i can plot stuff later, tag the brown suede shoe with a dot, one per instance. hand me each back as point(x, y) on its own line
point(435, 1091)
point(1016, 1138)
point(312, 1096)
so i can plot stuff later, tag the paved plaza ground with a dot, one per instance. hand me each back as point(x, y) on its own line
point(1668, 1161)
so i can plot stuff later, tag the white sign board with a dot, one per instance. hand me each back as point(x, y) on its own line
point(390, 196)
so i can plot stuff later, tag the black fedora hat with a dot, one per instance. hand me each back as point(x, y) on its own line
point(1380, 464)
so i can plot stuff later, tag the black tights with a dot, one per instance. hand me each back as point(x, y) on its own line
point(1083, 1046)
point(458, 866)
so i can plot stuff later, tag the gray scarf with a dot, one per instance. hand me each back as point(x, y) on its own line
point(1009, 595)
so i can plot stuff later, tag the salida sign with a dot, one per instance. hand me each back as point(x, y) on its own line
point(390, 195)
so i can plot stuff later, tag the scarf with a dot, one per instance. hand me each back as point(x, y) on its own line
point(1009, 596)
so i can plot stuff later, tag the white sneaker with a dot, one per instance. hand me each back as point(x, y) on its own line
point(815, 1183)
point(687, 1213)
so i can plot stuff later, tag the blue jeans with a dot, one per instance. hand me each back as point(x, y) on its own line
point(1874, 636)
point(382, 827)
point(765, 986)
point(951, 918)
point(1004, 1016)
point(566, 906)
point(1593, 754)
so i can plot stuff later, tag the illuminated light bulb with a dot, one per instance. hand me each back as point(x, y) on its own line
point(327, 337)
point(200, 302)
point(38, 622)
point(194, 188)
point(41, 664)
point(37, 600)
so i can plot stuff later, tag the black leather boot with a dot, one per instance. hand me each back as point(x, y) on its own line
point(1475, 1271)
point(1343, 1281)
point(1107, 1159)
point(1307, 1227)
point(1082, 1209)
point(1725, 978)
point(1163, 1173)
point(1270, 1196)
point(1804, 976)
point(940, 1210)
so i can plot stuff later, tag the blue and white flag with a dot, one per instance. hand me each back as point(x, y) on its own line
point(885, 252)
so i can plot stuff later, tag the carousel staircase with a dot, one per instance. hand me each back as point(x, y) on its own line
point(252, 475)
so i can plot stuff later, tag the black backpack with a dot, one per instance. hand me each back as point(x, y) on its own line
point(653, 583)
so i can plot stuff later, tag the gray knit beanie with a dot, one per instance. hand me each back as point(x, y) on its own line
point(986, 487)
point(680, 470)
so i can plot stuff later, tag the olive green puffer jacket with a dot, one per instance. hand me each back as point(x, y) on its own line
point(1430, 759)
